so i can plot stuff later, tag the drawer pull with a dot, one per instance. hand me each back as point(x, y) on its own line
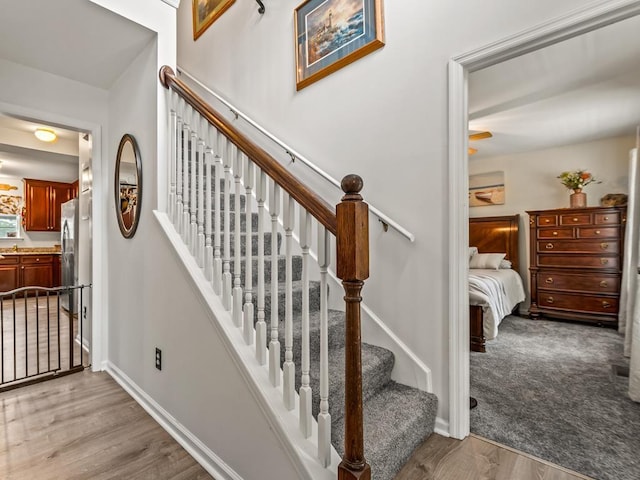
point(597, 232)
point(555, 234)
point(549, 299)
point(606, 218)
point(604, 261)
point(549, 280)
point(604, 245)
point(575, 219)
point(605, 304)
point(604, 284)
point(549, 246)
point(37, 259)
point(546, 220)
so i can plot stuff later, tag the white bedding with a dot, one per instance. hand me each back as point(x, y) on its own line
point(498, 292)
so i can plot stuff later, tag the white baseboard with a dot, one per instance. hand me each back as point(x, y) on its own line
point(213, 464)
point(442, 427)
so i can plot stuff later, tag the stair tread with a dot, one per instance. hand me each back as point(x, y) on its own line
point(396, 415)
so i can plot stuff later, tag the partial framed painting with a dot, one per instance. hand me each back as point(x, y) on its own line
point(331, 34)
point(486, 189)
point(205, 12)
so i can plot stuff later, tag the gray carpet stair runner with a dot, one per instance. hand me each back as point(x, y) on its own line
point(397, 418)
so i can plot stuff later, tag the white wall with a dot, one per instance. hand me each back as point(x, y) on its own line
point(384, 117)
point(531, 183)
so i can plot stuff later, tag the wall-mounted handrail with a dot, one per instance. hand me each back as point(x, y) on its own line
point(383, 218)
point(316, 206)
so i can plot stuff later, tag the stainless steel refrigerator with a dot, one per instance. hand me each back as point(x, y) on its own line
point(69, 244)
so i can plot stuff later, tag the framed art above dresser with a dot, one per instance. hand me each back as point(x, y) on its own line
point(576, 263)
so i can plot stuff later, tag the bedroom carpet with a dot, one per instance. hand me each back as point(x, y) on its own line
point(547, 388)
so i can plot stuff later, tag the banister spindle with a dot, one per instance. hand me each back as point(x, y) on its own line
point(177, 214)
point(217, 212)
point(324, 417)
point(248, 268)
point(173, 120)
point(305, 387)
point(186, 135)
point(208, 184)
point(237, 244)
point(200, 240)
point(261, 326)
point(193, 164)
point(352, 267)
point(226, 261)
point(274, 344)
point(288, 368)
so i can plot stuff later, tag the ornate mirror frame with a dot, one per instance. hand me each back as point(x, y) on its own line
point(128, 185)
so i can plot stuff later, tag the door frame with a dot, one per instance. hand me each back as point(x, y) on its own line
point(561, 28)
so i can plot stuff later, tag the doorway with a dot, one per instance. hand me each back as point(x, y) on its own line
point(459, 68)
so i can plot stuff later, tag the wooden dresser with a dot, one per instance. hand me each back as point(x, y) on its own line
point(576, 263)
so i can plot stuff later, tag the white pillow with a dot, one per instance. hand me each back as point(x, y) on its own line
point(472, 251)
point(505, 264)
point(486, 260)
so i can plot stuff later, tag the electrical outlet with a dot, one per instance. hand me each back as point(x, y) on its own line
point(158, 358)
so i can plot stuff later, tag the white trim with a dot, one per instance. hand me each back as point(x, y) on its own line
point(174, 3)
point(561, 28)
point(284, 423)
point(441, 427)
point(211, 462)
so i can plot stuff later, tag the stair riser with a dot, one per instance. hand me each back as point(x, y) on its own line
point(254, 245)
point(232, 203)
point(296, 302)
point(243, 222)
point(296, 270)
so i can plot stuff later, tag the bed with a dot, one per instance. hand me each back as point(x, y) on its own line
point(494, 292)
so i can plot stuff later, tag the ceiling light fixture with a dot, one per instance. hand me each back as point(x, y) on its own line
point(45, 135)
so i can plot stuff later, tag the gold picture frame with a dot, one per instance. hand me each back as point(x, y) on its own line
point(205, 12)
point(331, 34)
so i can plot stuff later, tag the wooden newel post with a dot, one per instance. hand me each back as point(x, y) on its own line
point(353, 268)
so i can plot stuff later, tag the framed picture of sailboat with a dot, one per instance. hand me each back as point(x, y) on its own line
point(331, 34)
point(486, 189)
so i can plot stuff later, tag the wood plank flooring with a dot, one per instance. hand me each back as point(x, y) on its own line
point(475, 458)
point(85, 427)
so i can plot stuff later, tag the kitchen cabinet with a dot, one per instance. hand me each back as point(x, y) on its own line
point(29, 270)
point(42, 204)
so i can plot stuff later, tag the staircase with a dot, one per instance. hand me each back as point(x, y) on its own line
point(396, 418)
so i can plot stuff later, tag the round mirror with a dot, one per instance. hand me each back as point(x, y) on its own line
point(128, 192)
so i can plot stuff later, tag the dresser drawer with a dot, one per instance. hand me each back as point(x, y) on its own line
point(575, 219)
point(579, 261)
point(583, 246)
point(607, 218)
point(10, 260)
point(598, 232)
point(556, 233)
point(547, 220)
point(577, 302)
point(36, 259)
point(596, 283)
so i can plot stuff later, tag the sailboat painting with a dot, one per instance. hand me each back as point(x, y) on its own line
point(486, 189)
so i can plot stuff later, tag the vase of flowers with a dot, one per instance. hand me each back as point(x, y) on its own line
point(576, 181)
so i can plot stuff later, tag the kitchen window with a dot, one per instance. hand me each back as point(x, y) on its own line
point(9, 226)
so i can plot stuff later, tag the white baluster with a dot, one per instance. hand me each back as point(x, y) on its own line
point(172, 154)
point(324, 417)
point(217, 231)
point(186, 135)
point(289, 368)
point(305, 388)
point(177, 214)
point(193, 165)
point(248, 268)
point(200, 241)
point(274, 344)
point(237, 244)
point(208, 181)
point(261, 325)
point(226, 261)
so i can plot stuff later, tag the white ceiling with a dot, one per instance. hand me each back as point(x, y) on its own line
point(585, 88)
point(75, 39)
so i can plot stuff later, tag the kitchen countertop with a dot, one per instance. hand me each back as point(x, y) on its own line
point(30, 251)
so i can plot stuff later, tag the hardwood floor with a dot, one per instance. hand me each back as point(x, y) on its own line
point(85, 427)
point(474, 458)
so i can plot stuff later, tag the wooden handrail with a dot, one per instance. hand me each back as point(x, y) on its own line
point(311, 202)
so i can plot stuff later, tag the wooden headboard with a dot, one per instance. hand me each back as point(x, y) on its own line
point(496, 235)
